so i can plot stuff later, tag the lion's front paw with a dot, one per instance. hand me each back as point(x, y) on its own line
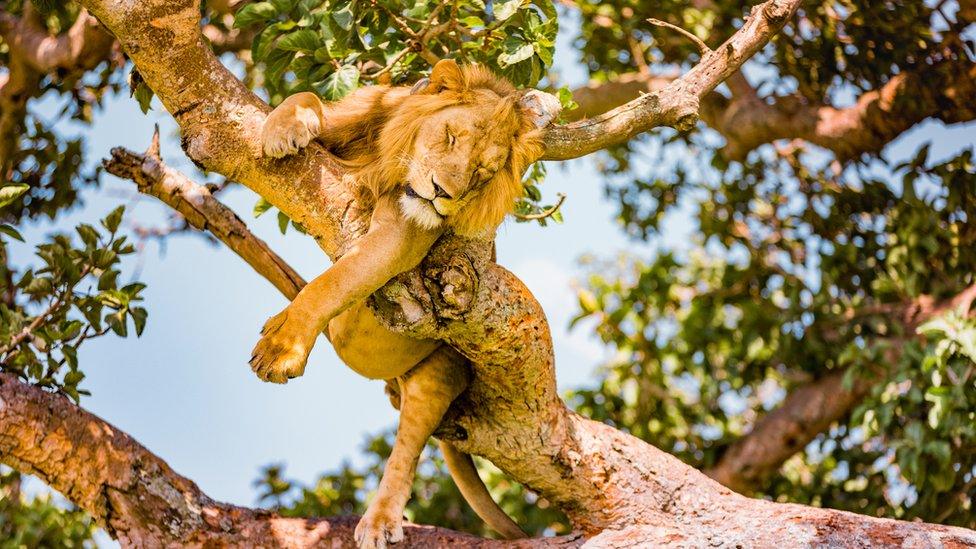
point(286, 132)
point(283, 349)
point(378, 527)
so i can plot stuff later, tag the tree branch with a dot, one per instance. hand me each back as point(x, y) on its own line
point(204, 212)
point(140, 501)
point(676, 105)
point(82, 47)
point(942, 91)
point(812, 408)
point(747, 120)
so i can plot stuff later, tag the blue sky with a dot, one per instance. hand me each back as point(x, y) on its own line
point(184, 389)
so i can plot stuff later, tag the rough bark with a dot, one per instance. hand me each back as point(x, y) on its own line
point(677, 104)
point(203, 212)
point(140, 501)
point(616, 489)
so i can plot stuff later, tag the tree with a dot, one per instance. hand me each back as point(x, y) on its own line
point(822, 277)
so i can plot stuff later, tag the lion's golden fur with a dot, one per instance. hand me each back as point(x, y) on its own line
point(378, 145)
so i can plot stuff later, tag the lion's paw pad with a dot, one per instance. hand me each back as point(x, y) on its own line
point(280, 354)
point(285, 135)
point(375, 532)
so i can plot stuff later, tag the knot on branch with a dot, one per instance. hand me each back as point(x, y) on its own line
point(443, 289)
point(776, 11)
point(453, 285)
point(684, 110)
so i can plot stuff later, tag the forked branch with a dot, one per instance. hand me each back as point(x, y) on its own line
point(677, 104)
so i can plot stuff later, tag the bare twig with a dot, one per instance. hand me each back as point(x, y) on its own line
point(702, 46)
point(548, 212)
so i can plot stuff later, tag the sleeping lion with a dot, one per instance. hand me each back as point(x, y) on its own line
point(446, 155)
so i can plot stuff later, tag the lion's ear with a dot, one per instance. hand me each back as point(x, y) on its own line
point(446, 76)
point(540, 108)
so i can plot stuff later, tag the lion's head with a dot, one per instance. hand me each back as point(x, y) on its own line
point(454, 147)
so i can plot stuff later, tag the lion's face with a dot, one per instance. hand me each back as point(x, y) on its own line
point(452, 149)
point(456, 154)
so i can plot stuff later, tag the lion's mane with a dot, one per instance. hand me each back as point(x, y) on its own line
point(376, 148)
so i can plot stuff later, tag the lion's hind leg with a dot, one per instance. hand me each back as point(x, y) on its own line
point(426, 392)
point(292, 125)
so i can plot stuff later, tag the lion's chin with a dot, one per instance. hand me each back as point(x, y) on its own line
point(420, 211)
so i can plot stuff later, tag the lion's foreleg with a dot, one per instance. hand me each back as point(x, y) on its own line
point(426, 392)
point(390, 247)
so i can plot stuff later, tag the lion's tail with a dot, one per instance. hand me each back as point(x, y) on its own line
point(473, 489)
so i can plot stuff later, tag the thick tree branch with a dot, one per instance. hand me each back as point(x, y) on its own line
point(812, 408)
point(876, 119)
point(677, 104)
point(82, 47)
point(204, 212)
point(747, 120)
point(140, 501)
point(17, 86)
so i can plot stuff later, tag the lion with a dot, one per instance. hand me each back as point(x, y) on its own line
point(446, 155)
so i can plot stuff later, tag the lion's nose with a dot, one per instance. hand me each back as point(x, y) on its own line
point(439, 191)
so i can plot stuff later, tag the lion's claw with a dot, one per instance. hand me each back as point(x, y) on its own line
point(282, 351)
point(376, 529)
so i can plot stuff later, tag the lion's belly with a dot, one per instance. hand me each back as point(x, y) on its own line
point(372, 350)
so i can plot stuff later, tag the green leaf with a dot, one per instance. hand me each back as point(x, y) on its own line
point(143, 95)
point(73, 378)
point(139, 316)
point(344, 17)
point(519, 54)
point(116, 321)
point(566, 99)
point(113, 219)
point(506, 8)
point(133, 290)
point(9, 193)
point(88, 234)
point(472, 22)
point(304, 40)
point(261, 206)
point(283, 222)
point(277, 62)
point(254, 13)
point(283, 6)
point(11, 232)
point(338, 84)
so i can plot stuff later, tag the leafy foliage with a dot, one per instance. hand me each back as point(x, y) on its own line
point(39, 521)
point(331, 47)
point(73, 296)
point(798, 266)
